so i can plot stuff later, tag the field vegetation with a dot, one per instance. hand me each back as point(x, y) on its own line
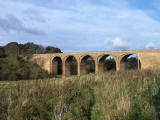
point(125, 95)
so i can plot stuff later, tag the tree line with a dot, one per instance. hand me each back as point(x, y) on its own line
point(14, 49)
point(15, 61)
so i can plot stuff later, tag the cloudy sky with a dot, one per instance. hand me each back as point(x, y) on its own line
point(82, 25)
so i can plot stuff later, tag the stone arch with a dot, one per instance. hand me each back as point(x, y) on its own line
point(87, 65)
point(56, 66)
point(130, 61)
point(71, 66)
point(106, 63)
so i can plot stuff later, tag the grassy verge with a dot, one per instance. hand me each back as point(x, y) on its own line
point(129, 95)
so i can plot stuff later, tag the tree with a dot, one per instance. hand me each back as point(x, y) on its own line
point(2, 52)
point(30, 48)
point(51, 49)
point(12, 49)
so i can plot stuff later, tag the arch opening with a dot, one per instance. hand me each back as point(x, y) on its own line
point(71, 66)
point(87, 65)
point(56, 66)
point(130, 62)
point(106, 63)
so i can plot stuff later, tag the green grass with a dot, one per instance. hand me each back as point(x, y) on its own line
point(127, 95)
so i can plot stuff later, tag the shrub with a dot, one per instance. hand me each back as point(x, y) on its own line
point(20, 69)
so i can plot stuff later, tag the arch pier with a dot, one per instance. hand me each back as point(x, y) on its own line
point(67, 64)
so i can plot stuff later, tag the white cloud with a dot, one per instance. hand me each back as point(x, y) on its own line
point(150, 45)
point(118, 43)
point(82, 25)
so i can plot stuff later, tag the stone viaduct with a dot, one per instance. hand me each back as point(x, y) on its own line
point(147, 59)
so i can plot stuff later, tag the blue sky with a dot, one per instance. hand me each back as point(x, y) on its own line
point(82, 25)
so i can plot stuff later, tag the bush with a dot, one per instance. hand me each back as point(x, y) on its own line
point(20, 69)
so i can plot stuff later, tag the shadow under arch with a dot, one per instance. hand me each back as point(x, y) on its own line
point(130, 62)
point(106, 63)
point(87, 65)
point(56, 66)
point(71, 66)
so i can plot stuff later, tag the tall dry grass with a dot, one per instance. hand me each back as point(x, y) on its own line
point(127, 95)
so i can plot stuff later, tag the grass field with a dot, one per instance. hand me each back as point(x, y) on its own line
point(127, 95)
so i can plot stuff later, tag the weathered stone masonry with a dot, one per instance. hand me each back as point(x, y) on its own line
point(148, 59)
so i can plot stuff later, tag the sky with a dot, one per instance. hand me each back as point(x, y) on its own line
point(82, 25)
